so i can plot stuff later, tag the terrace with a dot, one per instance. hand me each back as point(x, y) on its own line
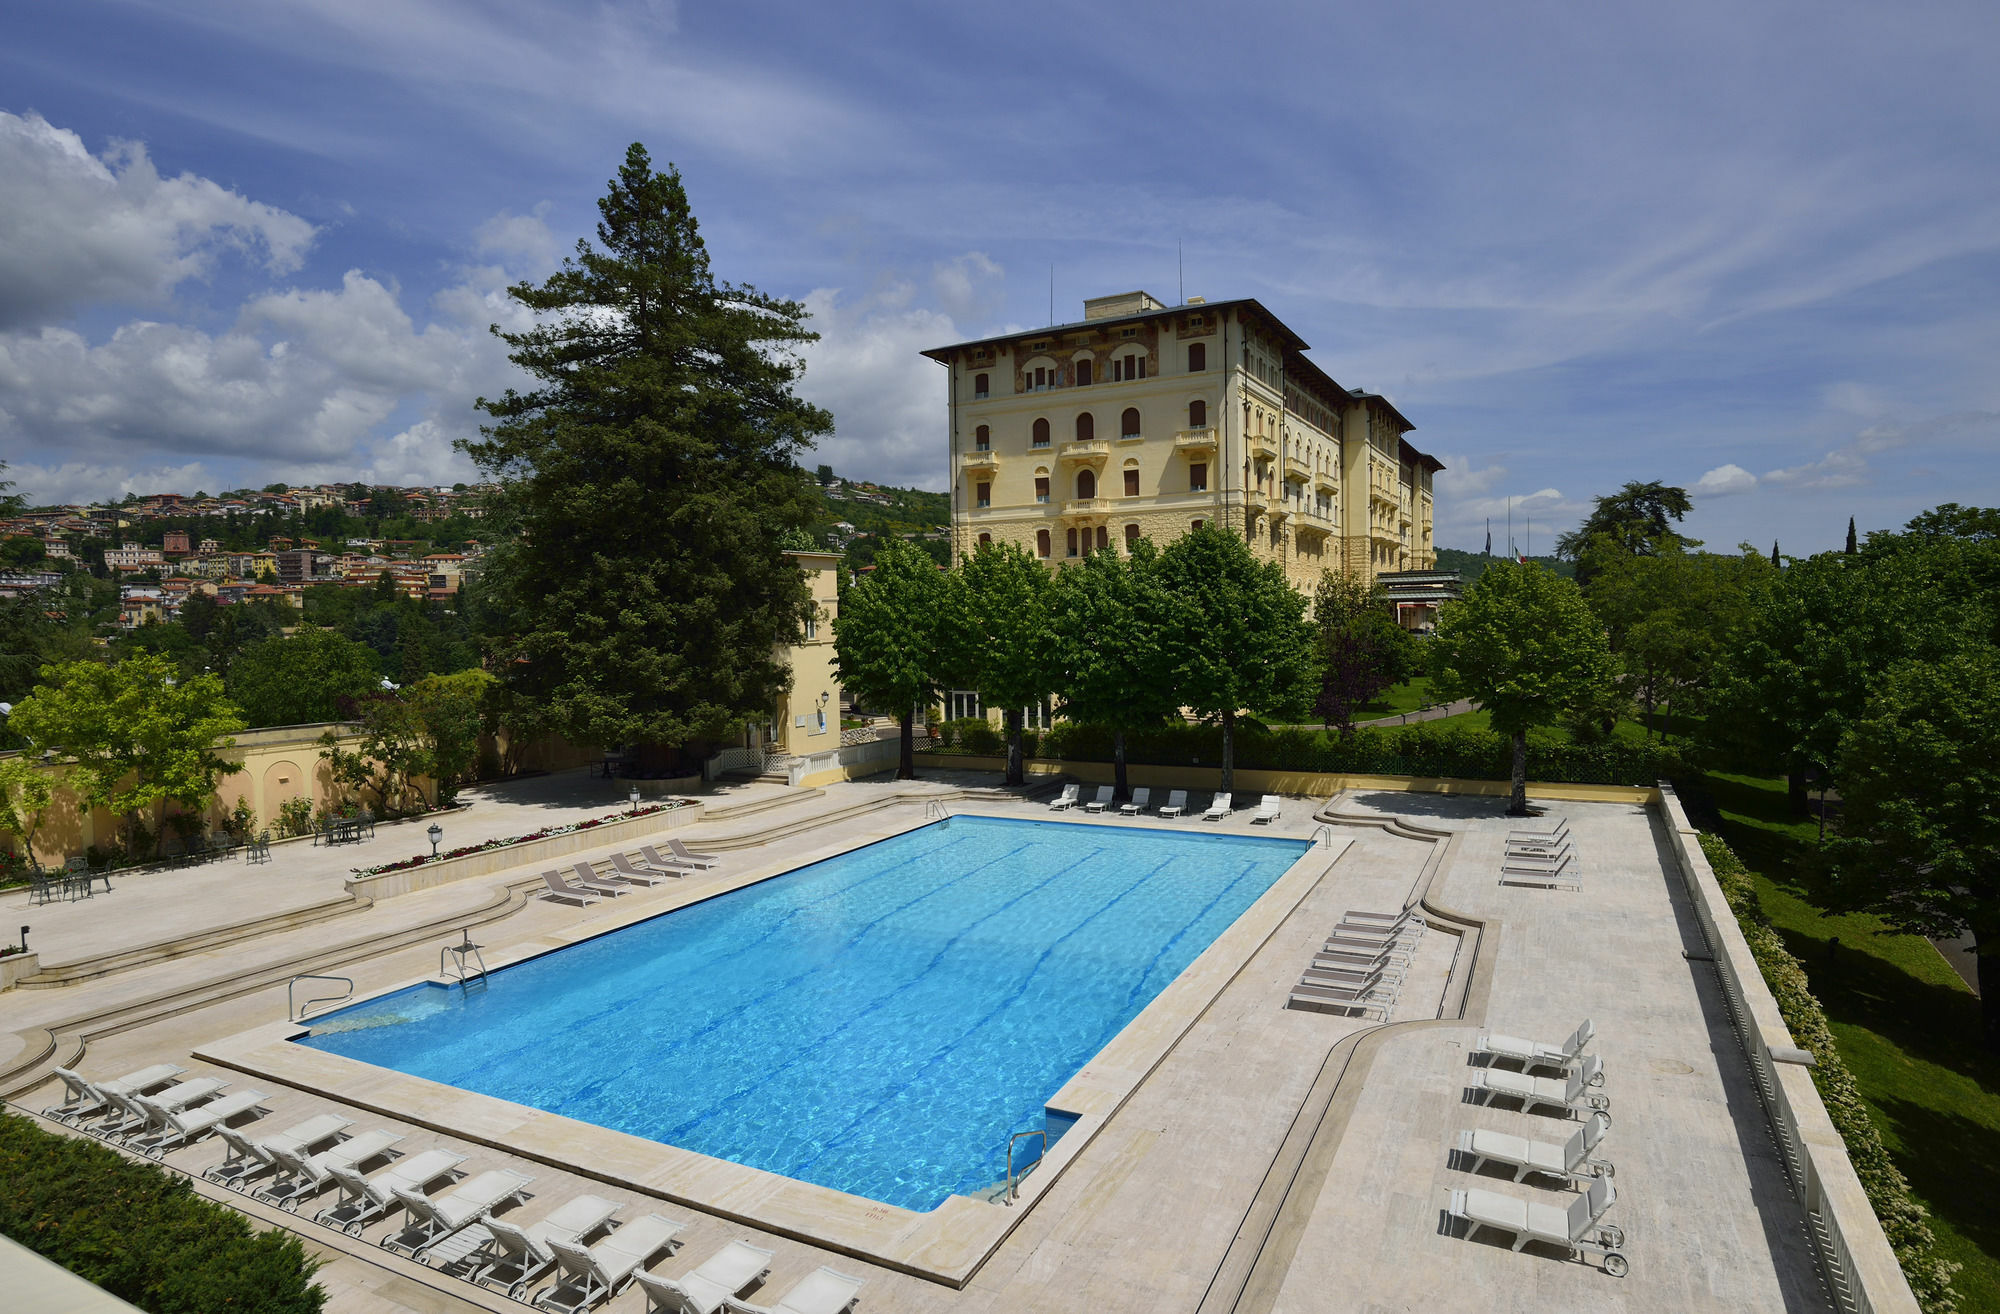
point(1243, 1155)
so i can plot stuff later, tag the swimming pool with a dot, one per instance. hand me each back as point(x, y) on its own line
point(877, 1023)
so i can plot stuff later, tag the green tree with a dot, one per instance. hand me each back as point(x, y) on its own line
point(25, 793)
point(890, 643)
point(316, 675)
point(1919, 839)
point(1523, 644)
point(998, 638)
point(1111, 624)
point(1824, 630)
point(1633, 521)
point(452, 709)
point(1238, 635)
point(654, 467)
point(140, 734)
point(1362, 650)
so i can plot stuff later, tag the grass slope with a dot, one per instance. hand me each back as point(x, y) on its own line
point(1908, 1028)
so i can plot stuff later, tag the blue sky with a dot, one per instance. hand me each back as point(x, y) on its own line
point(1749, 249)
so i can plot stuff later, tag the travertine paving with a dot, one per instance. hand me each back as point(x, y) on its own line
point(1145, 1216)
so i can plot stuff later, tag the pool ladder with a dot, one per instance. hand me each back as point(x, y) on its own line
point(1013, 1182)
point(459, 952)
point(1323, 834)
point(937, 811)
point(296, 1011)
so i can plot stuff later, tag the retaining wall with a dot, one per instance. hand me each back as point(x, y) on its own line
point(631, 830)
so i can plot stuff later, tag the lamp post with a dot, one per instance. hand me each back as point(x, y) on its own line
point(633, 799)
point(436, 834)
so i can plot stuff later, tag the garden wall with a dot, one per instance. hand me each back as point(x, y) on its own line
point(631, 831)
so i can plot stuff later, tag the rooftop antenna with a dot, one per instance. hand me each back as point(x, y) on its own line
point(1052, 294)
point(1181, 265)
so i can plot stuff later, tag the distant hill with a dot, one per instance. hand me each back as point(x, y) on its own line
point(1470, 565)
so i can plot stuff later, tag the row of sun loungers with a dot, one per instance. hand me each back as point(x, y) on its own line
point(1543, 858)
point(1359, 970)
point(1575, 1225)
point(1219, 806)
point(583, 1250)
point(583, 886)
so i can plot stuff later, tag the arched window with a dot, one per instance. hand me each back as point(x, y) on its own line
point(1086, 427)
point(1131, 535)
point(1103, 538)
point(1083, 374)
point(1128, 423)
point(982, 438)
point(1042, 543)
point(1195, 525)
point(1197, 414)
point(985, 540)
point(1041, 433)
point(1086, 485)
point(1197, 357)
point(979, 387)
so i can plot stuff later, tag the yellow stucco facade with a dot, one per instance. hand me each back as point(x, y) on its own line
point(808, 720)
point(1147, 420)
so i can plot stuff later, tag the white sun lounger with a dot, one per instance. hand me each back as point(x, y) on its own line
point(1574, 1229)
point(1534, 1093)
point(721, 1276)
point(248, 1158)
point(302, 1178)
point(582, 873)
point(1570, 1161)
point(365, 1199)
point(822, 1291)
point(632, 873)
point(1557, 834)
point(1142, 798)
point(604, 1270)
point(86, 1098)
point(687, 855)
point(1537, 1053)
point(1358, 965)
point(670, 863)
point(1563, 875)
point(1101, 802)
point(1409, 919)
point(431, 1221)
point(1176, 804)
point(1336, 999)
point(170, 1129)
point(1267, 810)
point(1407, 934)
point(562, 889)
point(135, 1117)
point(1066, 799)
point(1393, 951)
point(1218, 808)
point(511, 1257)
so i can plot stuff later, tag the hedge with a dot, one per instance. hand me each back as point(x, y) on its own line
point(1888, 1190)
point(1424, 749)
point(142, 1233)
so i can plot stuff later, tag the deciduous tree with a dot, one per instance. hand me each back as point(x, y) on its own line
point(654, 466)
point(998, 635)
point(1524, 646)
point(1112, 623)
point(1238, 637)
point(1919, 839)
point(890, 643)
point(1362, 650)
point(316, 675)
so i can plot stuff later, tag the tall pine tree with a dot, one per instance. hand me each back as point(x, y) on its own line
point(654, 466)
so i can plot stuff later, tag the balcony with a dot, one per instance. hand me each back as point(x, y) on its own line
point(1280, 511)
point(1296, 471)
point(1325, 482)
point(1195, 442)
point(1263, 447)
point(1087, 506)
point(978, 460)
point(1256, 501)
point(1310, 520)
point(1094, 452)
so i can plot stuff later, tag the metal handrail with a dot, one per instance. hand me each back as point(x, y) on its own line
point(296, 1011)
point(460, 950)
point(1013, 1185)
point(1323, 832)
point(937, 810)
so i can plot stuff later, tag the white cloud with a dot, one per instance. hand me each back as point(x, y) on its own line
point(1725, 481)
point(77, 229)
point(80, 481)
point(524, 237)
point(888, 402)
point(970, 287)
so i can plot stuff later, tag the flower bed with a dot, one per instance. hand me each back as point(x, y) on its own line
point(425, 859)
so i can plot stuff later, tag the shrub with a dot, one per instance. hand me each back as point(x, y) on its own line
point(143, 1234)
point(1424, 749)
point(1888, 1190)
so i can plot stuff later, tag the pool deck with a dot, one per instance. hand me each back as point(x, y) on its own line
point(1268, 1157)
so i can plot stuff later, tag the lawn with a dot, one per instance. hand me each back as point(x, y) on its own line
point(1397, 699)
point(1906, 1024)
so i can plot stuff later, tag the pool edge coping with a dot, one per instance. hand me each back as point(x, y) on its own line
point(948, 1244)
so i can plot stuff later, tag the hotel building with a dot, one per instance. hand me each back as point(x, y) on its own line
point(1148, 420)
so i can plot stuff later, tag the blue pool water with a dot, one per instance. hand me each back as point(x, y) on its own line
point(877, 1023)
